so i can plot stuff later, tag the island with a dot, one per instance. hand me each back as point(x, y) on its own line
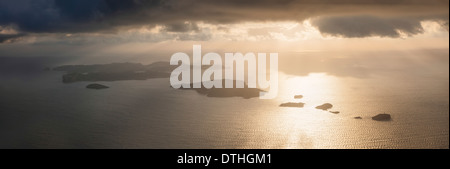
point(96, 86)
point(382, 117)
point(298, 96)
point(114, 72)
point(325, 107)
point(291, 104)
point(335, 112)
point(359, 118)
point(245, 92)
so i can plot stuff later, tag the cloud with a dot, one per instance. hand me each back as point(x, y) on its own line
point(444, 24)
point(364, 26)
point(76, 16)
point(182, 27)
point(10, 37)
point(51, 16)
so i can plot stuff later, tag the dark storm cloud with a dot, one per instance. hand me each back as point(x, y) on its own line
point(67, 15)
point(445, 24)
point(364, 26)
point(72, 16)
point(10, 37)
point(181, 27)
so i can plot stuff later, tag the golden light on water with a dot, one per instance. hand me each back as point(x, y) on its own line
point(316, 87)
point(308, 127)
point(302, 127)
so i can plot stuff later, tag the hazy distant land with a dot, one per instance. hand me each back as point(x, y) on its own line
point(114, 72)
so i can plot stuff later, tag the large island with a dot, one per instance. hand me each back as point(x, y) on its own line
point(245, 92)
point(137, 71)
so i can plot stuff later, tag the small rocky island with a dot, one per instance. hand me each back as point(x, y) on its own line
point(359, 117)
point(335, 112)
point(382, 117)
point(298, 96)
point(96, 86)
point(291, 104)
point(325, 107)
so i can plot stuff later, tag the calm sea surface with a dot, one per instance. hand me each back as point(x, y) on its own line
point(38, 111)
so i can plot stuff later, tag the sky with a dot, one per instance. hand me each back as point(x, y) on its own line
point(155, 29)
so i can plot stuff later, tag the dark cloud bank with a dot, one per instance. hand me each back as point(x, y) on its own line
point(346, 18)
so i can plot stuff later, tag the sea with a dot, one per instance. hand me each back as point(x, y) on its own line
point(37, 110)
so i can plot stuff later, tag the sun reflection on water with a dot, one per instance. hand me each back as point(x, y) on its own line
point(304, 126)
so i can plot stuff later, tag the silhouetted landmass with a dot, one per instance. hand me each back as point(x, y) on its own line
point(298, 96)
point(382, 117)
point(357, 117)
point(115, 67)
point(96, 86)
point(115, 72)
point(335, 112)
point(325, 106)
point(107, 76)
point(291, 104)
point(245, 92)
